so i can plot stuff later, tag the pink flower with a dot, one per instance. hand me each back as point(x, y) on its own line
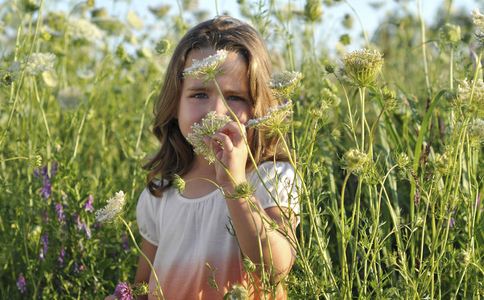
point(123, 291)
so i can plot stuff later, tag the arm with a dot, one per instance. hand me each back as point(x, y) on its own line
point(250, 227)
point(248, 222)
point(143, 272)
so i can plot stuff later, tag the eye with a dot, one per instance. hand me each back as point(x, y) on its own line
point(199, 96)
point(235, 98)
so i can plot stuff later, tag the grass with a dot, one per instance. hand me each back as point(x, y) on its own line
point(392, 169)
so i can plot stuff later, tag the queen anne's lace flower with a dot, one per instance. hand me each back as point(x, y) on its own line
point(284, 83)
point(206, 68)
point(82, 29)
point(39, 62)
point(209, 125)
point(471, 95)
point(362, 66)
point(478, 20)
point(113, 208)
point(275, 120)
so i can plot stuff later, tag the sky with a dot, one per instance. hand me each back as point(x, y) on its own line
point(328, 31)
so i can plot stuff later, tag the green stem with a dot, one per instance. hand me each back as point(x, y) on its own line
point(145, 257)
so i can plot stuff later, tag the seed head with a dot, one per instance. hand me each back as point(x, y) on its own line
point(209, 125)
point(242, 191)
point(450, 34)
point(113, 208)
point(206, 68)
point(162, 46)
point(178, 183)
point(355, 161)
point(237, 292)
point(402, 160)
point(362, 66)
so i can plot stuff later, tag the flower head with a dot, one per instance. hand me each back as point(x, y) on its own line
point(362, 66)
point(69, 97)
point(209, 125)
point(88, 205)
point(206, 68)
point(82, 29)
point(355, 161)
point(39, 62)
point(21, 283)
point(237, 292)
point(178, 183)
point(478, 20)
point(123, 291)
point(275, 120)
point(113, 208)
point(284, 83)
point(59, 209)
point(476, 132)
point(470, 95)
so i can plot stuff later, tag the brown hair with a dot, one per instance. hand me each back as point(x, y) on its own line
point(176, 154)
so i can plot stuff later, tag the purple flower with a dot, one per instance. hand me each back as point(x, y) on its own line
point(61, 256)
point(46, 188)
point(60, 212)
point(451, 222)
point(86, 229)
point(45, 242)
point(125, 240)
point(53, 169)
point(123, 291)
point(21, 283)
point(88, 206)
point(82, 226)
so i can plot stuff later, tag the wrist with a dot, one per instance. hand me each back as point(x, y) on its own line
point(243, 190)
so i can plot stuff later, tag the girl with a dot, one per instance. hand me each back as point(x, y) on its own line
point(208, 241)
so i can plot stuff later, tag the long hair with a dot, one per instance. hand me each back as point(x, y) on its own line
point(176, 155)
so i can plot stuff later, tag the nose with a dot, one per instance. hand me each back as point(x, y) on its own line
point(219, 106)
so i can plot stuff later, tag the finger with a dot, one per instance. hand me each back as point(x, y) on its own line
point(233, 131)
point(223, 141)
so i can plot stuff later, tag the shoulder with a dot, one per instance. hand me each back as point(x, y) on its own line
point(276, 169)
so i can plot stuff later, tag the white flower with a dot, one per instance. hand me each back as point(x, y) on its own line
point(207, 67)
point(210, 124)
point(69, 97)
point(284, 79)
point(275, 120)
point(82, 29)
point(363, 66)
point(39, 62)
point(113, 208)
point(284, 83)
point(478, 20)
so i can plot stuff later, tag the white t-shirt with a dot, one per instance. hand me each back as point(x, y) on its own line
point(198, 256)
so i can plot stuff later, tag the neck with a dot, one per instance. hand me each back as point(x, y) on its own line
point(196, 183)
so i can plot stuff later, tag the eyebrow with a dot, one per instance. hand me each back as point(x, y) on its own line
point(198, 88)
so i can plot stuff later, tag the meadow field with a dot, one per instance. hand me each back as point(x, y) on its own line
point(387, 139)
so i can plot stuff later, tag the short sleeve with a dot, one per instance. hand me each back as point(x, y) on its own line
point(279, 185)
point(146, 216)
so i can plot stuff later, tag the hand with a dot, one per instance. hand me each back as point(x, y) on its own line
point(231, 152)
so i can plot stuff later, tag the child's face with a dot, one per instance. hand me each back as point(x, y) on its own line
point(198, 98)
